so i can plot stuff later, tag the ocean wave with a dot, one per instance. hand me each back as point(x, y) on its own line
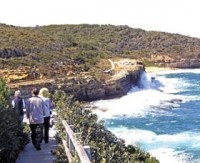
point(178, 71)
point(159, 118)
point(165, 147)
point(137, 103)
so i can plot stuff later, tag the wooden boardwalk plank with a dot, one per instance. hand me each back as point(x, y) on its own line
point(31, 155)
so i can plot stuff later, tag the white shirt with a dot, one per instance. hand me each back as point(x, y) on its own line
point(47, 107)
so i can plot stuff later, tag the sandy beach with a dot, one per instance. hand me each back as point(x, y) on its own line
point(157, 69)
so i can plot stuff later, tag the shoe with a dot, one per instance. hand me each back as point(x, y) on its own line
point(38, 148)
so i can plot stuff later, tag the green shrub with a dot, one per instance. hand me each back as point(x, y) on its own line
point(106, 147)
point(12, 137)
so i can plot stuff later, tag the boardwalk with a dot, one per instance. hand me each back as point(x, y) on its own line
point(31, 155)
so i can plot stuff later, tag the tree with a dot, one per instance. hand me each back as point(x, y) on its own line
point(12, 138)
point(4, 94)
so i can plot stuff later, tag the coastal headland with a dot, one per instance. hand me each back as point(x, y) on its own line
point(121, 76)
point(89, 61)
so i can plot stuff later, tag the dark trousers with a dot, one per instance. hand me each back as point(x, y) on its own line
point(33, 133)
point(46, 129)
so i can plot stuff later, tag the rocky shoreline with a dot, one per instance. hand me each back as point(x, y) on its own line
point(124, 75)
point(122, 78)
point(95, 90)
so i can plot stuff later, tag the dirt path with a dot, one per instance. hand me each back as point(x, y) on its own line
point(30, 82)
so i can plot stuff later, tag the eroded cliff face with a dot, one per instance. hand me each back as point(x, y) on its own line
point(175, 61)
point(124, 73)
point(185, 63)
point(95, 90)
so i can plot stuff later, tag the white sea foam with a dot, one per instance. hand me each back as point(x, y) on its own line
point(175, 86)
point(138, 102)
point(177, 71)
point(141, 102)
point(153, 140)
point(163, 147)
point(133, 104)
point(166, 155)
point(156, 100)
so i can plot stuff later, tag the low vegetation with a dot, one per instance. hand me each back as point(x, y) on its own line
point(13, 136)
point(106, 147)
point(80, 48)
point(70, 52)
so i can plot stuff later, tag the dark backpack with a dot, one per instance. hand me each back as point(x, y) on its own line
point(19, 105)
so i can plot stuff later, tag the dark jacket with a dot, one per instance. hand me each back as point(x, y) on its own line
point(18, 105)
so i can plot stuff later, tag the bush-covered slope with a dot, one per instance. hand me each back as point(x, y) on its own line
point(16, 40)
point(81, 48)
point(122, 40)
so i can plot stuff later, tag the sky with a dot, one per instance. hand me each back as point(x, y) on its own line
point(173, 16)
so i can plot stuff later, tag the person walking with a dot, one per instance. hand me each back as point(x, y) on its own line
point(35, 111)
point(44, 93)
point(19, 105)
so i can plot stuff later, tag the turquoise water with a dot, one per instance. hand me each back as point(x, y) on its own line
point(163, 117)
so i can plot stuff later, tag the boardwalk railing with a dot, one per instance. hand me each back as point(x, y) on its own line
point(73, 147)
point(110, 71)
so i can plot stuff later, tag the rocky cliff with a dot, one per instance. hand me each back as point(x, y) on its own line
point(127, 74)
point(175, 62)
point(88, 90)
point(95, 90)
point(123, 75)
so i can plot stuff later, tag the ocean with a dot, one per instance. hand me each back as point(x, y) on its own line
point(161, 116)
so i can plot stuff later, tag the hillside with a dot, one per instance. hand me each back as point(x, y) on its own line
point(68, 51)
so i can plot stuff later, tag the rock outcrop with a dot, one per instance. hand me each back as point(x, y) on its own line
point(95, 90)
point(123, 76)
point(185, 63)
point(167, 61)
point(87, 89)
point(8, 53)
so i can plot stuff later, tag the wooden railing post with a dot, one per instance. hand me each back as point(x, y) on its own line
point(74, 146)
point(71, 145)
point(67, 139)
point(88, 151)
